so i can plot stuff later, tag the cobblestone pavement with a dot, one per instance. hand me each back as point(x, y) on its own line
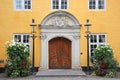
point(33, 77)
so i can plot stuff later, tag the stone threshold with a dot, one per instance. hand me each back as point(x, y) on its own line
point(59, 73)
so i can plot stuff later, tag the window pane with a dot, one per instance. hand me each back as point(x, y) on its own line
point(28, 38)
point(27, 4)
point(25, 38)
point(17, 38)
point(18, 4)
point(101, 38)
point(92, 48)
point(101, 4)
point(93, 38)
point(63, 4)
point(55, 4)
point(92, 4)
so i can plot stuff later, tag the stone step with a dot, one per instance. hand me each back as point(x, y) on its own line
point(59, 73)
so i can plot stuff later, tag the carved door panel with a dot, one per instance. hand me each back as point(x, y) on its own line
point(59, 53)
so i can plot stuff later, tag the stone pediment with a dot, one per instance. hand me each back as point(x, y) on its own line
point(60, 20)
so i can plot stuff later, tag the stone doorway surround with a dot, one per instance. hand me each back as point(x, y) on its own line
point(60, 24)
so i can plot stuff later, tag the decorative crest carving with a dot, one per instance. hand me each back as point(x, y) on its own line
point(61, 20)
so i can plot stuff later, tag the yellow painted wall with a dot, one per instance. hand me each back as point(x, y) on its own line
point(13, 21)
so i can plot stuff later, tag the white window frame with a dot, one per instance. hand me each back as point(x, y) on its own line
point(97, 43)
point(23, 6)
point(97, 9)
point(59, 5)
point(22, 35)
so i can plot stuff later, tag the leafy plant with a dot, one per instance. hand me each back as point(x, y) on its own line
point(103, 62)
point(15, 73)
point(18, 60)
point(111, 74)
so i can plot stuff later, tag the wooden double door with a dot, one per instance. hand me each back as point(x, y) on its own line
point(59, 53)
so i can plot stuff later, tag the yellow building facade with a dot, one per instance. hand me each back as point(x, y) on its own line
point(60, 22)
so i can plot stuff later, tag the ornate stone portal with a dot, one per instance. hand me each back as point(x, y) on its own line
point(60, 24)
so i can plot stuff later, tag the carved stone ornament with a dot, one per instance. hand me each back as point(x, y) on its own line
point(43, 36)
point(61, 20)
point(76, 36)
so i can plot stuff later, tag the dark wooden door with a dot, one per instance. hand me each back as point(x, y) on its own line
point(59, 53)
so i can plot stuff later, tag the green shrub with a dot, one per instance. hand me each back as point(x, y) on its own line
point(103, 62)
point(18, 60)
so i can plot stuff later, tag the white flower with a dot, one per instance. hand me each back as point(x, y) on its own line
point(109, 50)
point(17, 40)
point(110, 47)
point(98, 48)
point(26, 50)
point(12, 44)
point(102, 46)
